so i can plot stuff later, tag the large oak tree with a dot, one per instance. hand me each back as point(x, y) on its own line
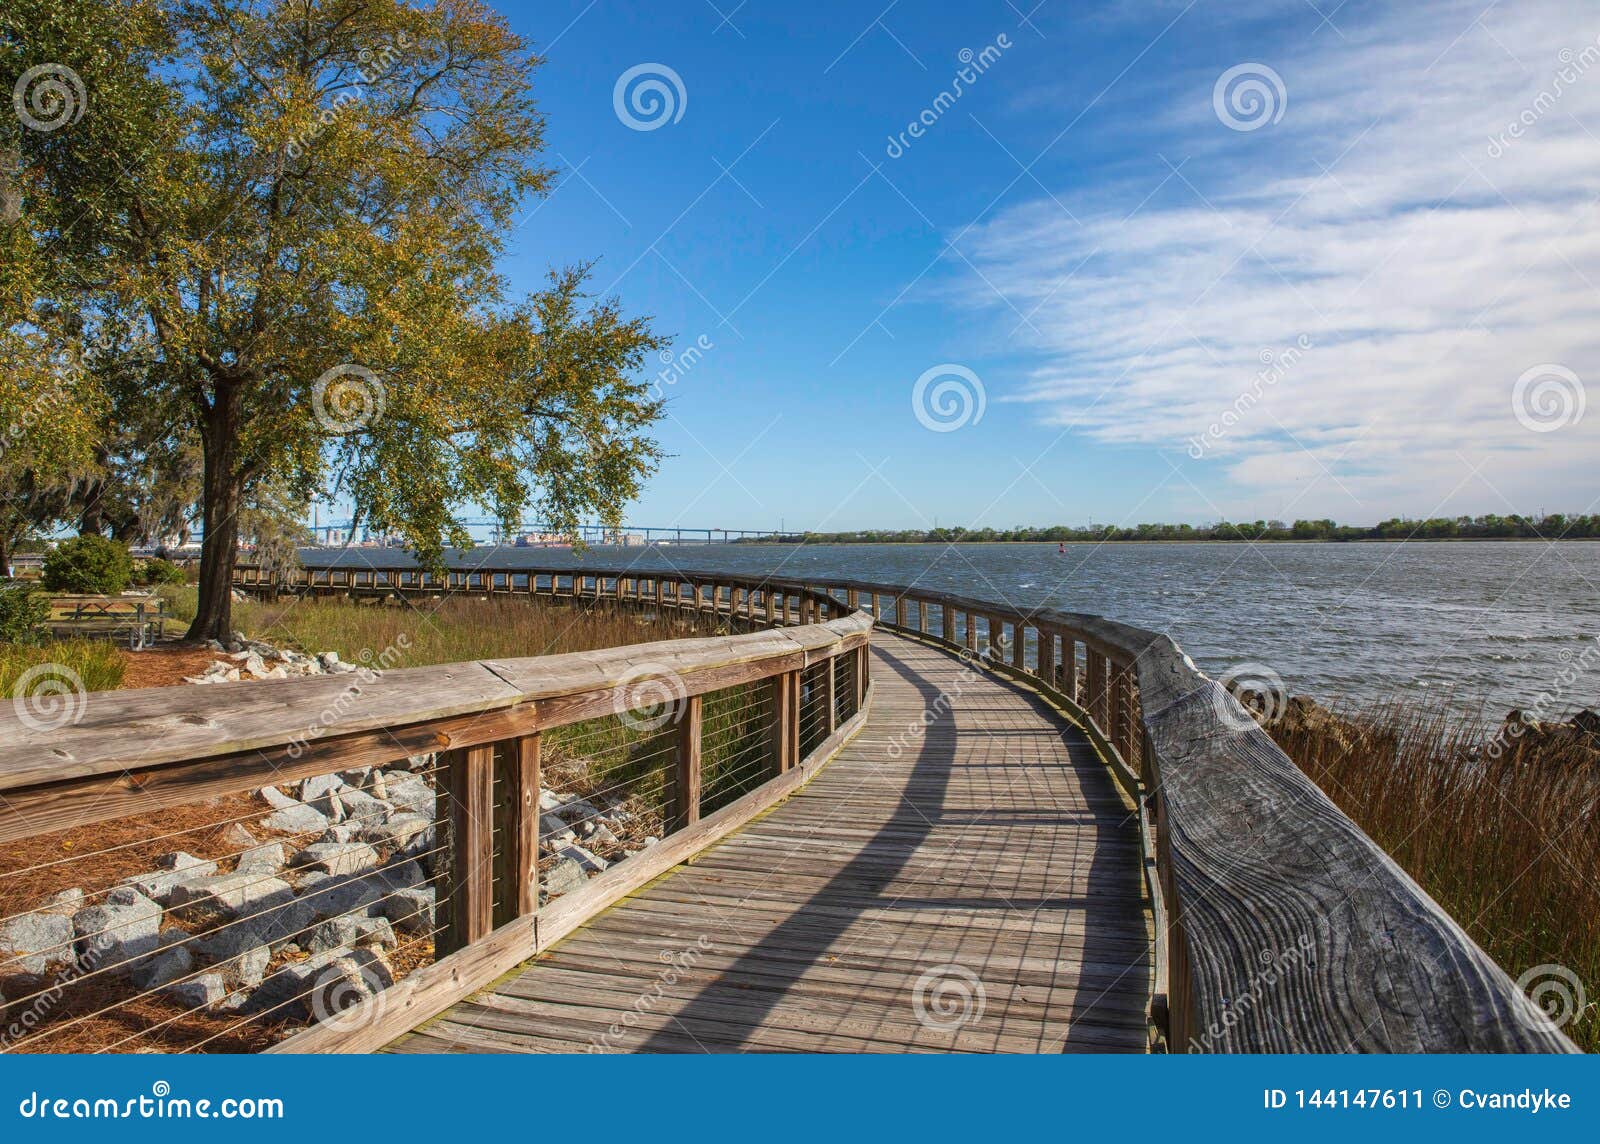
point(295, 208)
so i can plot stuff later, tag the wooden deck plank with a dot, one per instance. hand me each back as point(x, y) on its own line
point(984, 860)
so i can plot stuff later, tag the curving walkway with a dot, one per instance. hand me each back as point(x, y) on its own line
point(972, 888)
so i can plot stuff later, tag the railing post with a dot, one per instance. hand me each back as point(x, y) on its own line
point(852, 599)
point(686, 788)
point(922, 615)
point(1047, 657)
point(900, 617)
point(468, 783)
point(517, 823)
point(785, 720)
point(830, 695)
point(863, 662)
point(1019, 643)
point(971, 632)
point(947, 622)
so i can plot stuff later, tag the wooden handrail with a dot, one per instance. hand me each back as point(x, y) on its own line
point(132, 752)
point(1279, 925)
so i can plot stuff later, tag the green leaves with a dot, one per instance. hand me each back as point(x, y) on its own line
point(295, 209)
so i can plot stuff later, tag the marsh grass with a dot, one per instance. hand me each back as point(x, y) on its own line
point(1507, 840)
point(98, 663)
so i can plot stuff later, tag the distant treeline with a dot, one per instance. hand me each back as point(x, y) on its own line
point(1555, 526)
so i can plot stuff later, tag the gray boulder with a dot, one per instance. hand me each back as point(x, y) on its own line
point(563, 878)
point(238, 952)
point(125, 927)
point(319, 987)
point(396, 832)
point(336, 858)
point(200, 992)
point(296, 819)
point(589, 863)
point(240, 894)
point(409, 909)
point(175, 869)
point(362, 809)
point(33, 942)
point(409, 792)
point(349, 931)
point(238, 837)
point(328, 896)
point(163, 967)
point(265, 859)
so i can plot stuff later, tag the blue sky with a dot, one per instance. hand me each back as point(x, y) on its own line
point(1195, 259)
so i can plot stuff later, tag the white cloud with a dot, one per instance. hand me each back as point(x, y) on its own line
point(1428, 267)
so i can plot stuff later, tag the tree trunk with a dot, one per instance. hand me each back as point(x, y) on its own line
point(5, 553)
point(219, 548)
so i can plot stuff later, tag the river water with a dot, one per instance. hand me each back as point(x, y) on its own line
point(1478, 624)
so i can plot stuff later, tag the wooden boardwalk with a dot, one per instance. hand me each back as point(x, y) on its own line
point(969, 885)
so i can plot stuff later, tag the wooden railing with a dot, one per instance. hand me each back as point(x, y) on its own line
point(783, 699)
point(1281, 927)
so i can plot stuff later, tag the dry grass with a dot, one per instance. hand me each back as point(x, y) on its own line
point(421, 632)
point(98, 663)
point(1506, 840)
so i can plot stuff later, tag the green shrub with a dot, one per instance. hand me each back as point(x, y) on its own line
point(22, 610)
point(88, 564)
point(157, 571)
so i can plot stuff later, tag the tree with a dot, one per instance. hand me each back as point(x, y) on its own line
point(300, 205)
